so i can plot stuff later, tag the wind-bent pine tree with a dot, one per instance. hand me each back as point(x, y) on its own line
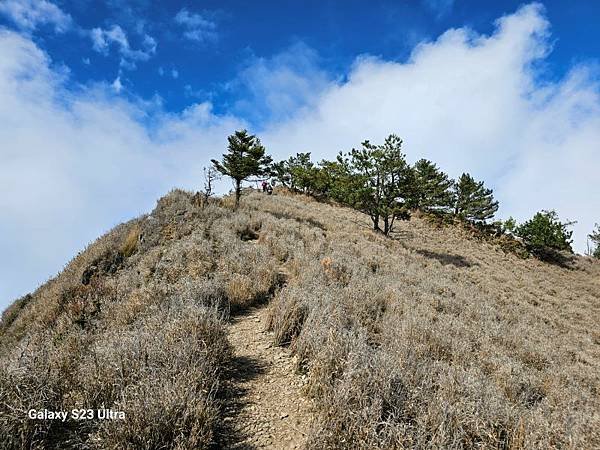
point(245, 157)
point(472, 201)
point(431, 187)
point(380, 182)
point(595, 238)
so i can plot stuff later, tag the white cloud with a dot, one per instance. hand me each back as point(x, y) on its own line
point(77, 161)
point(278, 87)
point(102, 39)
point(471, 103)
point(175, 73)
point(149, 43)
point(30, 14)
point(117, 85)
point(197, 27)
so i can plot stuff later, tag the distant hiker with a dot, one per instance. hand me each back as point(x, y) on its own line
point(269, 189)
point(264, 185)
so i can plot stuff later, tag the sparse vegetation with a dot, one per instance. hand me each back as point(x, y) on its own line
point(211, 175)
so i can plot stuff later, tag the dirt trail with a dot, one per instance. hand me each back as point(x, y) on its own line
point(265, 408)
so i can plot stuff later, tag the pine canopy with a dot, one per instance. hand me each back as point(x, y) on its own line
point(473, 201)
point(245, 157)
point(431, 187)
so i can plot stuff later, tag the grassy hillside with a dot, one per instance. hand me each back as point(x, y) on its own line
point(427, 339)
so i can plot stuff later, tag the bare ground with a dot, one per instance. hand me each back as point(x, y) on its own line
point(265, 407)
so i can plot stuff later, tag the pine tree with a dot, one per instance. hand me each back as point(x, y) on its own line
point(378, 182)
point(545, 235)
point(281, 172)
point(472, 201)
point(431, 187)
point(595, 238)
point(245, 157)
point(334, 179)
point(302, 172)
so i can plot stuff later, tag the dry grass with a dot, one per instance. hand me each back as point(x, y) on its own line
point(135, 323)
point(434, 339)
point(429, 339)
point(130, 244)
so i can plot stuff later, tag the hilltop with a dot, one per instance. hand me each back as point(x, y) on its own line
point(290, 323)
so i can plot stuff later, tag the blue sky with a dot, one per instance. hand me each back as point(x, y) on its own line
point(194, 51)
point(104, 106)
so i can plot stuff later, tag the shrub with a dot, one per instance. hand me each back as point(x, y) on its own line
point(545, 236)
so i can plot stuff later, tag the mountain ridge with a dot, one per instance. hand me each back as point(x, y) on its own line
point(428, 337)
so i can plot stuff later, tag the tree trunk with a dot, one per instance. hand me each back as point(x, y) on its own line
point(238, 192)
point(386, 225)
point(375, 219)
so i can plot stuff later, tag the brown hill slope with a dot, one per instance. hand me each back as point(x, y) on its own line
point(427, 339)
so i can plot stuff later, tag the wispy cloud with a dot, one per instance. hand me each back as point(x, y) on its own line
point(439, 7)
point(197, 27)
point(103, 39)
point(30, 14)
point(117, 85)
point(274, 88)
point(77, 161)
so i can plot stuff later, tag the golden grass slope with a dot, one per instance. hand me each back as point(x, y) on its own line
point(427, 339)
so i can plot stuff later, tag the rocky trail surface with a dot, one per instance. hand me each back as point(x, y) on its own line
point(265, 407)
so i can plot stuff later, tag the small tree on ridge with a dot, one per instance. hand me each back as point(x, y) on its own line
point(380, 182)
point(245, 157)
point(546, 236)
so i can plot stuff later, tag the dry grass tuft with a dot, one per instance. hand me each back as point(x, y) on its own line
point(130, 244)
